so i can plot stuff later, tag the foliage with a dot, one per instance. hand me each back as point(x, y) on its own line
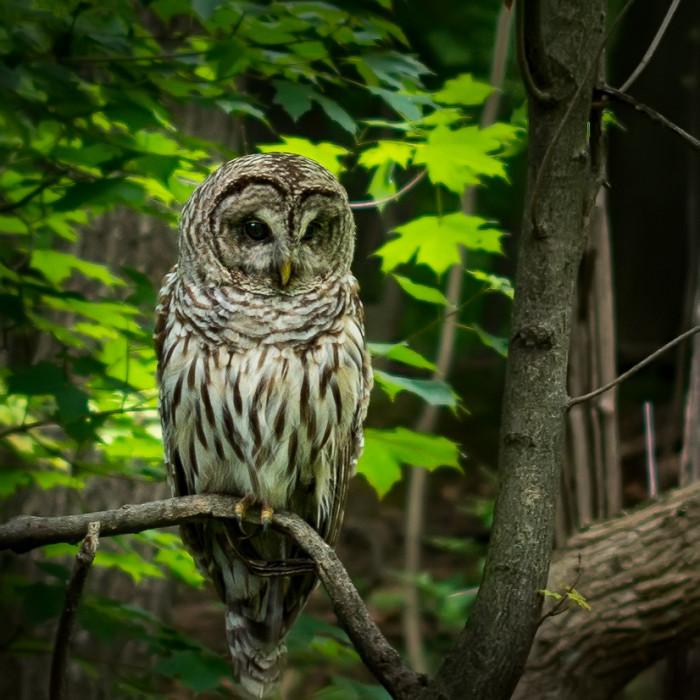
point(569, 594)
point(90, 122)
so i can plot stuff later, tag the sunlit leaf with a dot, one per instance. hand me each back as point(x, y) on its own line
point(463, 90)
point(435, 241)
point(57, 267)
point(457, 158)
point(327, 154)
point(399, 152)
point(386, 450)
point(495, 283)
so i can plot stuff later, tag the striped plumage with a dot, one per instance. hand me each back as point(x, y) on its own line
point(264, 381)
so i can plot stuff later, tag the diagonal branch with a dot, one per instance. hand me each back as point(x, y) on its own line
point(633, 370)
point(628, 100)
point(369, 204)
point(652, 47)
point(26, 532)
point(83, 562)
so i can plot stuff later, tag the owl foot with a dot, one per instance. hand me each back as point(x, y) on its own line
point(266, 516)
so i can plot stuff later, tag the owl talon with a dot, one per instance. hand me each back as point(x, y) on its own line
point(241, 509)
point(266, 517)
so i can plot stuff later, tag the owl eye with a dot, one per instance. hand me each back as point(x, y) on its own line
point(256, 230)
point(315, 228)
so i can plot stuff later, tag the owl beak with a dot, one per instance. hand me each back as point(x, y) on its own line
point(285, 270)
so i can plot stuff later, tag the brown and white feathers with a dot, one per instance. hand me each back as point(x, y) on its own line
point(264, 381)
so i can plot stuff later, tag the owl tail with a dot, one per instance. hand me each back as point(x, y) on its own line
point(259, 609)
point(255, 630)
point(257, 665)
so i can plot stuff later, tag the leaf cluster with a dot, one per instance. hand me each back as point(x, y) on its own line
point(94, 96)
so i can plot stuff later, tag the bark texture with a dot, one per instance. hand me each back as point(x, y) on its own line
point(640, 573)
point(559, 44)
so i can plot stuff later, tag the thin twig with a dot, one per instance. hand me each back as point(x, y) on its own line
point(564, 602)
point(633, 370)
point(26, 427)
point(649, 112)
point(24, 533)
point(377, 202)
point(43, 185)
point(533, 89)
point(534, 200)
point(83, 561)
point(650, 450)
point(652, 47)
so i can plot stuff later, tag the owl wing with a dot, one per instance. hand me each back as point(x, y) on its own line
point(195, 536)
point(350, 454)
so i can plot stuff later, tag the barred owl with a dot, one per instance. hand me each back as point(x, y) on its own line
point(264, 383)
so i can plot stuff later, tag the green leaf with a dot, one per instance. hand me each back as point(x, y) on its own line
point(106, 192)
point(577, 598)
point(399, 152)
point(13, 224)
point(41, 379)
point(293, 97)
point(435, 241)
point(206, 8)
point(130, 563)
point(404, 104)
point(422, 292)
point(194, 669)
point(398, 70)
point(12, 480)
point(57, 267)
point(498, 343)
point(381, 185)
point(432, 391)
point(400, 352)
point(457, 158)
point(336, 113)
point(463, 90)
point(72, 404)
point(327, 154)
point(386, 450)
point(494, 282)
point(242, 107)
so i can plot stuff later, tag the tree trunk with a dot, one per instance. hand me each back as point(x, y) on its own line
point(561, 48)
point(640, 574)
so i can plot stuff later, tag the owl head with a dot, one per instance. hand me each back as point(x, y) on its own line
point(270, 223)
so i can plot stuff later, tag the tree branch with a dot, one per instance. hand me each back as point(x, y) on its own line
point(377, 202)
point(630, 101)
point(640, 574)
point(24, 533)
point(585, 80)
point(633, 370)
point(652, 47)
point(83, 562)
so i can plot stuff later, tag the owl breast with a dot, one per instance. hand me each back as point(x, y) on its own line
point(267, 411)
